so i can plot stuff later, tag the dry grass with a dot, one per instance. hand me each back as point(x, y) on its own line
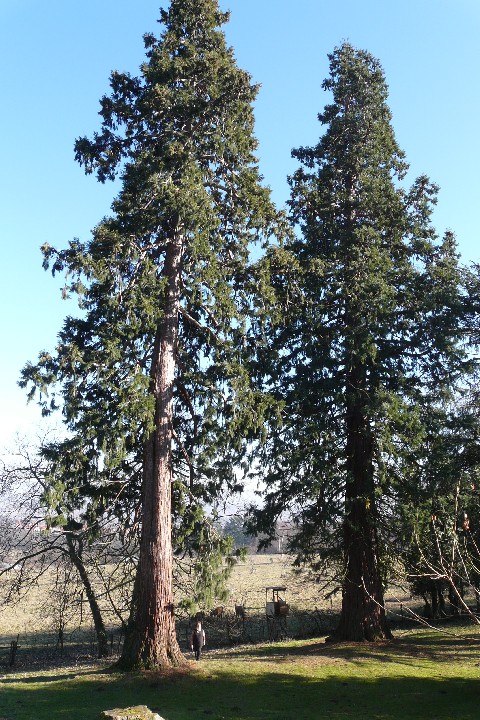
point(24, 617)
point(35, 616)
point(250, 578)
point(247, 586)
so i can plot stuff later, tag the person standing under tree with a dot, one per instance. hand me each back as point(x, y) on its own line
point(198, 640)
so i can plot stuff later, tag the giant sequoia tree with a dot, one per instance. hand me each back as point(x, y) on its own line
point(154, 361)
point(365, 332)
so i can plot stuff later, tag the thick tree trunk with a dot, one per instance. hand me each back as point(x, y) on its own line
point(363, 615)
point(151, 639)
point(76, 558)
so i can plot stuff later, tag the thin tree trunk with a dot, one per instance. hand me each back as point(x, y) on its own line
point(151, 639)
point(363, 615)
point(100, 631)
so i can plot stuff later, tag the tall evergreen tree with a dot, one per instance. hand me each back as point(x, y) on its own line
point(365, 330)
point(164, 285)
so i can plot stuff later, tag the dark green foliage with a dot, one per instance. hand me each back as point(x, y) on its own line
point(180, 136)
point(367, 333)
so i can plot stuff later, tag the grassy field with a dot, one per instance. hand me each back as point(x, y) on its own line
point(418, 675)
point(251, 577)
point(246, 586)
point(34, 620)
point(421, 674)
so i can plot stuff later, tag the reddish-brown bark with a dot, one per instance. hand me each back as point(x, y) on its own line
point(151, 639)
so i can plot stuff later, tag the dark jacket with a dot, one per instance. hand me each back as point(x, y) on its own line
point(198, 638)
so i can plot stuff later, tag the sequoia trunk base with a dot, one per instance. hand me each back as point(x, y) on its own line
point(363, 612)
point(151, 639)
point(362, 619)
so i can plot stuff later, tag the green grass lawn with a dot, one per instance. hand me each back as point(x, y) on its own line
point(419, 675)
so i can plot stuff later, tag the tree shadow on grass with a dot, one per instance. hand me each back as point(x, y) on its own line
point(246, 689)
point(37, 679)
point(441, 647)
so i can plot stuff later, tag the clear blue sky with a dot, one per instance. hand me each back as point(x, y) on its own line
point(56, 56)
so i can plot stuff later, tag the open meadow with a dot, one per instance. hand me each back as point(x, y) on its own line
point(34, 613)
point(35, 620)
